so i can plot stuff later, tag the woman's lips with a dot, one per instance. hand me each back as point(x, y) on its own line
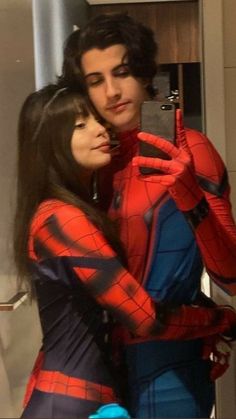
point(105, 147)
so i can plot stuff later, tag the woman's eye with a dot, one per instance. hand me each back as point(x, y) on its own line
point(80, 125)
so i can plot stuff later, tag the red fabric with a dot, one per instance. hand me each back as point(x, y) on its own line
point(194, 158)
point(64, 241)
point(78, 238)
point(219, 349)
point(33, 378)
point(56, 382)
point(178, 173)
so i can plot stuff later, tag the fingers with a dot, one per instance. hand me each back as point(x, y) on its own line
point(165, 179)
point(180, 132)
point(220, 361)
point(172, 167)
point(217, 370)
point(217, 349)
point(160, 142)
point(179, 120)
point(151, 162)
point(207, 347)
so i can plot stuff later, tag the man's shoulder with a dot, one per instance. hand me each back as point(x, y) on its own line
point(194, 136)
point(208, 163)
point(200, 145)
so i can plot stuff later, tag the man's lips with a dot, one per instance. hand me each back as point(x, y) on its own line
point(117, 107)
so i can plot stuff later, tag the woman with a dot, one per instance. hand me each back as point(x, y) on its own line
point(70, 257)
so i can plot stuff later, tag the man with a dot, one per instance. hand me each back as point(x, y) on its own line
point(171, 224)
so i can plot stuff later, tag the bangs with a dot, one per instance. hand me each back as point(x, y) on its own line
point(82, 107)
point(71, 104)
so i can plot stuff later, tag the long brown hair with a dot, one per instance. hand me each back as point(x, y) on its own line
point(47, 169)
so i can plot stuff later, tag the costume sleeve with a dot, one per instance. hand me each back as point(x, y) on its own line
point(216, 234)
point(68, 235)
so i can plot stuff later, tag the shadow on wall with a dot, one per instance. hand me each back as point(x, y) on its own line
point(20, 340)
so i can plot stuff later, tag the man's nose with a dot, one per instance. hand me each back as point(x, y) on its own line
point(112, 88)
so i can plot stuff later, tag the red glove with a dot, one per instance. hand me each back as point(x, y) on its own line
point(178, 173)
point(192, 322)
point(219, 349)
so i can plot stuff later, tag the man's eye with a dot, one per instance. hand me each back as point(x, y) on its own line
point(93, 81)
point(80, 125)
point(122, 71)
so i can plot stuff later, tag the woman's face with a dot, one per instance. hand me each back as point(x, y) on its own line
point(90, 143)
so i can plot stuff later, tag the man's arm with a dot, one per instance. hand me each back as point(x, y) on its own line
point(196, 179)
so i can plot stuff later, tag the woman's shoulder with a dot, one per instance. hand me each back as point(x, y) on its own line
point(52, 208)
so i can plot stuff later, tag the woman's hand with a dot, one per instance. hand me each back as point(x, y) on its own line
point(218, 350)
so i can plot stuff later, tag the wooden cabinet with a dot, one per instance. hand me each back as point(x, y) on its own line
point(175, 25)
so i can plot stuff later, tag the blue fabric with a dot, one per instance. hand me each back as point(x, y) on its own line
point(161, 389)
point(176, 265)
point(180, 393)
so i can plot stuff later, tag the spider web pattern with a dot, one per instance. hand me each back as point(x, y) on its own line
point(137, 205)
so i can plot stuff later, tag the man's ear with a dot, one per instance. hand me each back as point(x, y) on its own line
point(147, 85)
point(146, 82)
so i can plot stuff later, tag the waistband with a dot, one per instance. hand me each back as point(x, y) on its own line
point(155, 357)
point(57, 382)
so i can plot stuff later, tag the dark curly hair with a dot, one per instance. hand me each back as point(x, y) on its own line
point(104, 31)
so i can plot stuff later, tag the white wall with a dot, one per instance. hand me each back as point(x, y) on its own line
point(16, 81)
point(219, 38)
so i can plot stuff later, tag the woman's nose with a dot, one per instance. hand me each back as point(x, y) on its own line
point(101, 129)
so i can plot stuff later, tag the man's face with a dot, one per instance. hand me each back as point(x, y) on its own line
point(115, 93)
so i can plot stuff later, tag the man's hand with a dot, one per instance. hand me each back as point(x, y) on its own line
point(178, 173)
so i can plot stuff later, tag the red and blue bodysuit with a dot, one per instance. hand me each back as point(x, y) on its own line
point(76, 275)
point(166, 253)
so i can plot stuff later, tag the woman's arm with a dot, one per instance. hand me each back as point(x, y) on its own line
point(68, 234)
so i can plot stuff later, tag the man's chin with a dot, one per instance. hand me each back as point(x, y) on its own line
point(124, 125)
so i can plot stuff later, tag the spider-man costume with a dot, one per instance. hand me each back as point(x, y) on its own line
point(167, 245)
point(72, 375)
point(76, 274)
